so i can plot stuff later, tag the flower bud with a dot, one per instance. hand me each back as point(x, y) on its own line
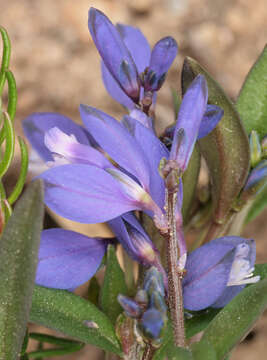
point(130, 306)
point(255, 148)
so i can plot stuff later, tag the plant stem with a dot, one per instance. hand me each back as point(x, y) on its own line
point(175, 292)
point(149, 352)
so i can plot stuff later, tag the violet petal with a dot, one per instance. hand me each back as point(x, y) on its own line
point(139, 49)
point(37, 124)
point(212, 116)
point(114, 53)
point(154, 151)
point(191, 112)
point(120, 145)
point(85, 193)
point(68, 259)
point(162, 56)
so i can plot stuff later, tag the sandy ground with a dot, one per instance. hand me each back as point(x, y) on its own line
point(57, 67)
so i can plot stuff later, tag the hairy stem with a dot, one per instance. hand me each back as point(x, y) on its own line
point(175, 275)
point(149, 352)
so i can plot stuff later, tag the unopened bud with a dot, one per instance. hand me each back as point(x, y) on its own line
point(130, 306)
point(255, 148)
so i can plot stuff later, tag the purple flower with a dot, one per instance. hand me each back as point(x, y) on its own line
point(128, 62)
point(135, 240)
point(68, 259)
point(257, 179)
point(218, 271)
point(195, 120)
point(71, 188)
point(83, 185)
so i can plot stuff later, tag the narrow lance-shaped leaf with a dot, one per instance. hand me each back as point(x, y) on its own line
point(64, 346)
point(18, 260)
point(73, 316)
point(22, 174)
point(236, 319)
point(252, 100)
point(114, 284)
point(5, 57)
point(190, 179)
point(228, 169)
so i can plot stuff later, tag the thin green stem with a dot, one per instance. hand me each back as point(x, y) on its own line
point(23, 172)
point(9, 145)
point(5, 57)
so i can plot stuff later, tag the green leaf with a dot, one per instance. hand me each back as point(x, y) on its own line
point(12, 101)
point(225, 149)
point(252, 100)
point(5, 57)
point(199, 321)
point(73, 316)
point(176, 100)
point(234, 321)
point(114, 284)
point(54, 352)
point(190, 179)
point(260, 269)
point(65, 346)
point(203, 350)
point(22, 174)
point(258, 205)
point(176, 353)
point(9, 145)
point(93, 291)
point(19, 246)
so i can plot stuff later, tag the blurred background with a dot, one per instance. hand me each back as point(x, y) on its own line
point(57, 67)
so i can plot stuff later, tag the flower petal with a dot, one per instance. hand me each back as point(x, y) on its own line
point(139, 49)
point(227, 295)
point(162, 56)
point(257, 179)
point(137, 44)
point(202, 292)
point(114, 53)
point(37, 124)
point(120, 145)
point(212, 116)
point(70, 149)
point(154, 151)
point(191, 112)
point(68, 259)
point(134, 239)
point(85, 193)
point(114, 89)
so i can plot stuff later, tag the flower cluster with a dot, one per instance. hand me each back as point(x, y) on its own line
point(105, 170)
point(149, 307)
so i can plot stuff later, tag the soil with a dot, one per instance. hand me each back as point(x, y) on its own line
point(57, 67)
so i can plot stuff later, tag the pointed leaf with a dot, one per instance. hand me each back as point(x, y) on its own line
point(190, 179)
point(236, 319)
point(93, 291)
point(18, 260)
point(203, 351)
point(252, 99)
point(114, 284)
point(261, 269)
point(199, 321)
point(225, 149)
point(258, 205)
point(175, 353)
point(73, 316)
